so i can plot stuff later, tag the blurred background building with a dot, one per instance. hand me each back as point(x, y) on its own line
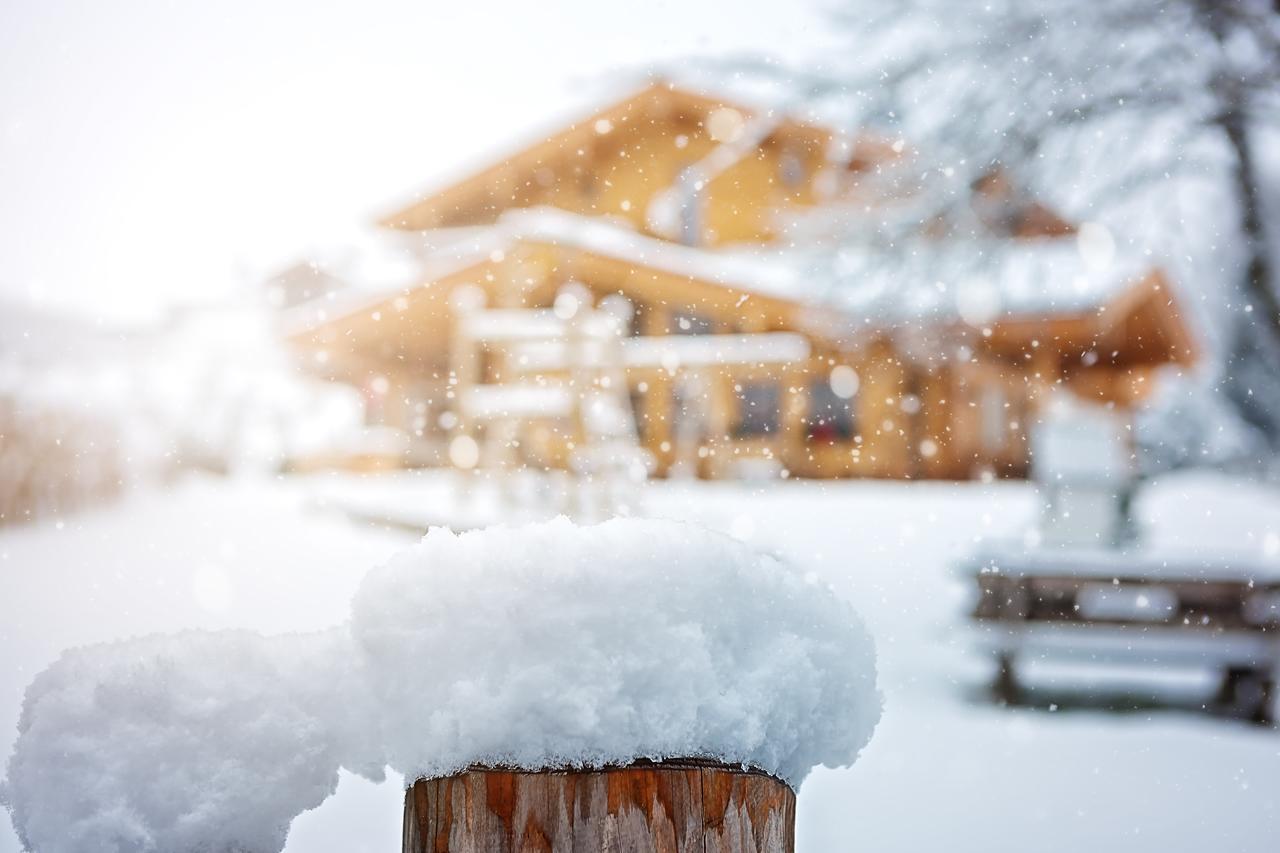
point(716, 218)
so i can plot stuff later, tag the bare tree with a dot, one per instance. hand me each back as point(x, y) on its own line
point(1106, 109)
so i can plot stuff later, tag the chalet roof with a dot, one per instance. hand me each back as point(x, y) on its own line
point(579, 119)
point(1003, 279)
point(761, 269)
point(385, 263)
point(981, 282)
point(1008, 278)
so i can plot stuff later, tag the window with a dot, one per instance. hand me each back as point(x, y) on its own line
point(639, 317)
point(758, 409)
point(830, 415)
point(992, 408)
point(791, 170)
point(689, 195)
point(690, 323)
point(587, 186)
point(640, 412)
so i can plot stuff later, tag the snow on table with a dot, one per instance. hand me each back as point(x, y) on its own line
point(1147, 562)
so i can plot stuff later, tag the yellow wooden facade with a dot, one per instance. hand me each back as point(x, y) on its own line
point(614, 162)
point(949, 401)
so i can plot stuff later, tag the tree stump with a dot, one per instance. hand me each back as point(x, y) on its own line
point(671, 807)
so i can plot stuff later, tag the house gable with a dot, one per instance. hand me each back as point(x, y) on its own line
point(618, 160)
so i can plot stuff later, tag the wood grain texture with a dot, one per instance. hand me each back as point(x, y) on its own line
point(672, 807)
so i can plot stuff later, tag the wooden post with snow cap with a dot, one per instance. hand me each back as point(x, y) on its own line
point(670, 806)
point(566, 661)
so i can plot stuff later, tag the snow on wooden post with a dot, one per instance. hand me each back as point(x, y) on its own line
point(604, 647)
point(607, 687)
point(671, 806)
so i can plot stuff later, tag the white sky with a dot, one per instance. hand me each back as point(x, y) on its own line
point(156, 152)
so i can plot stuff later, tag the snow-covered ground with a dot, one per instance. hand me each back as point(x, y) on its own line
point(944, 771)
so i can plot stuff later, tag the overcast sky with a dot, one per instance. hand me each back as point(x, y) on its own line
point(155, 152)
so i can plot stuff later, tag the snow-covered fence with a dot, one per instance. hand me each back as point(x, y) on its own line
point(561, 367)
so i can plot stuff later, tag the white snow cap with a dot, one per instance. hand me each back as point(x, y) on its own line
point(196, 742)
point(553, 645)
point(542, 646)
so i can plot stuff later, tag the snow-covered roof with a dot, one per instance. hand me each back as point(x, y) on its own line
point(981, 283)
point(379, 260)
point(768, 94)
point(762, 269)
point(571, 110)
point(389, 263)
point(977, 283)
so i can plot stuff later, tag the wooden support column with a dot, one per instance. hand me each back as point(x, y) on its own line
point(793, 402)
point(1046, 367)
point(465, 363)
point(722, 406)
point(659, 404)
point(674, 807)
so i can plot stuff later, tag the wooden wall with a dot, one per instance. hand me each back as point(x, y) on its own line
point(958, 406)
point(614, 163)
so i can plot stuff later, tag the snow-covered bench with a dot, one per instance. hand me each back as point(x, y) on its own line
point(1136, 607)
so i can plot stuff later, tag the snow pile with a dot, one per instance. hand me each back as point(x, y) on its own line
point(554, 645)
point(548, 645)
point(201, 741)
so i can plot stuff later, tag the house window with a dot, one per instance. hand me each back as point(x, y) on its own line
point(689, 186)
point(639, 318)
point(640, 412)
point(758, 409)
point(587, 187)
point(791, 170)
point(993, 412)
point(831, 416)
point(690, 323)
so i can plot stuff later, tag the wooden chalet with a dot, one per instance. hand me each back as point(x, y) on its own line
point(680, 203)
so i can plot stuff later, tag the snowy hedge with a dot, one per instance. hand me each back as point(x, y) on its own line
point(54, 459)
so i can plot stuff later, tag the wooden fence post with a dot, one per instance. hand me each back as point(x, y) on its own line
point(672, 807)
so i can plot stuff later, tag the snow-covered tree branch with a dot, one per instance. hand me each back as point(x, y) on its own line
point(1146, 115)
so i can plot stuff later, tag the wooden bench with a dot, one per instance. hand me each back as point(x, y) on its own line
point(1134, 607)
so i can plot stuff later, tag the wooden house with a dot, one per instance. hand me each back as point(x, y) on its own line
point(680, 203)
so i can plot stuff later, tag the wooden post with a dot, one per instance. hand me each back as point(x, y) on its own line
point(673, 807)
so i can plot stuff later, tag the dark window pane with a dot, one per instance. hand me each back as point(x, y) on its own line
point(758, 408)
point(690, 323)
point(830, 415)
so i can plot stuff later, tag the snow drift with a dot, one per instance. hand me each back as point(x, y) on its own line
point(547, 645)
